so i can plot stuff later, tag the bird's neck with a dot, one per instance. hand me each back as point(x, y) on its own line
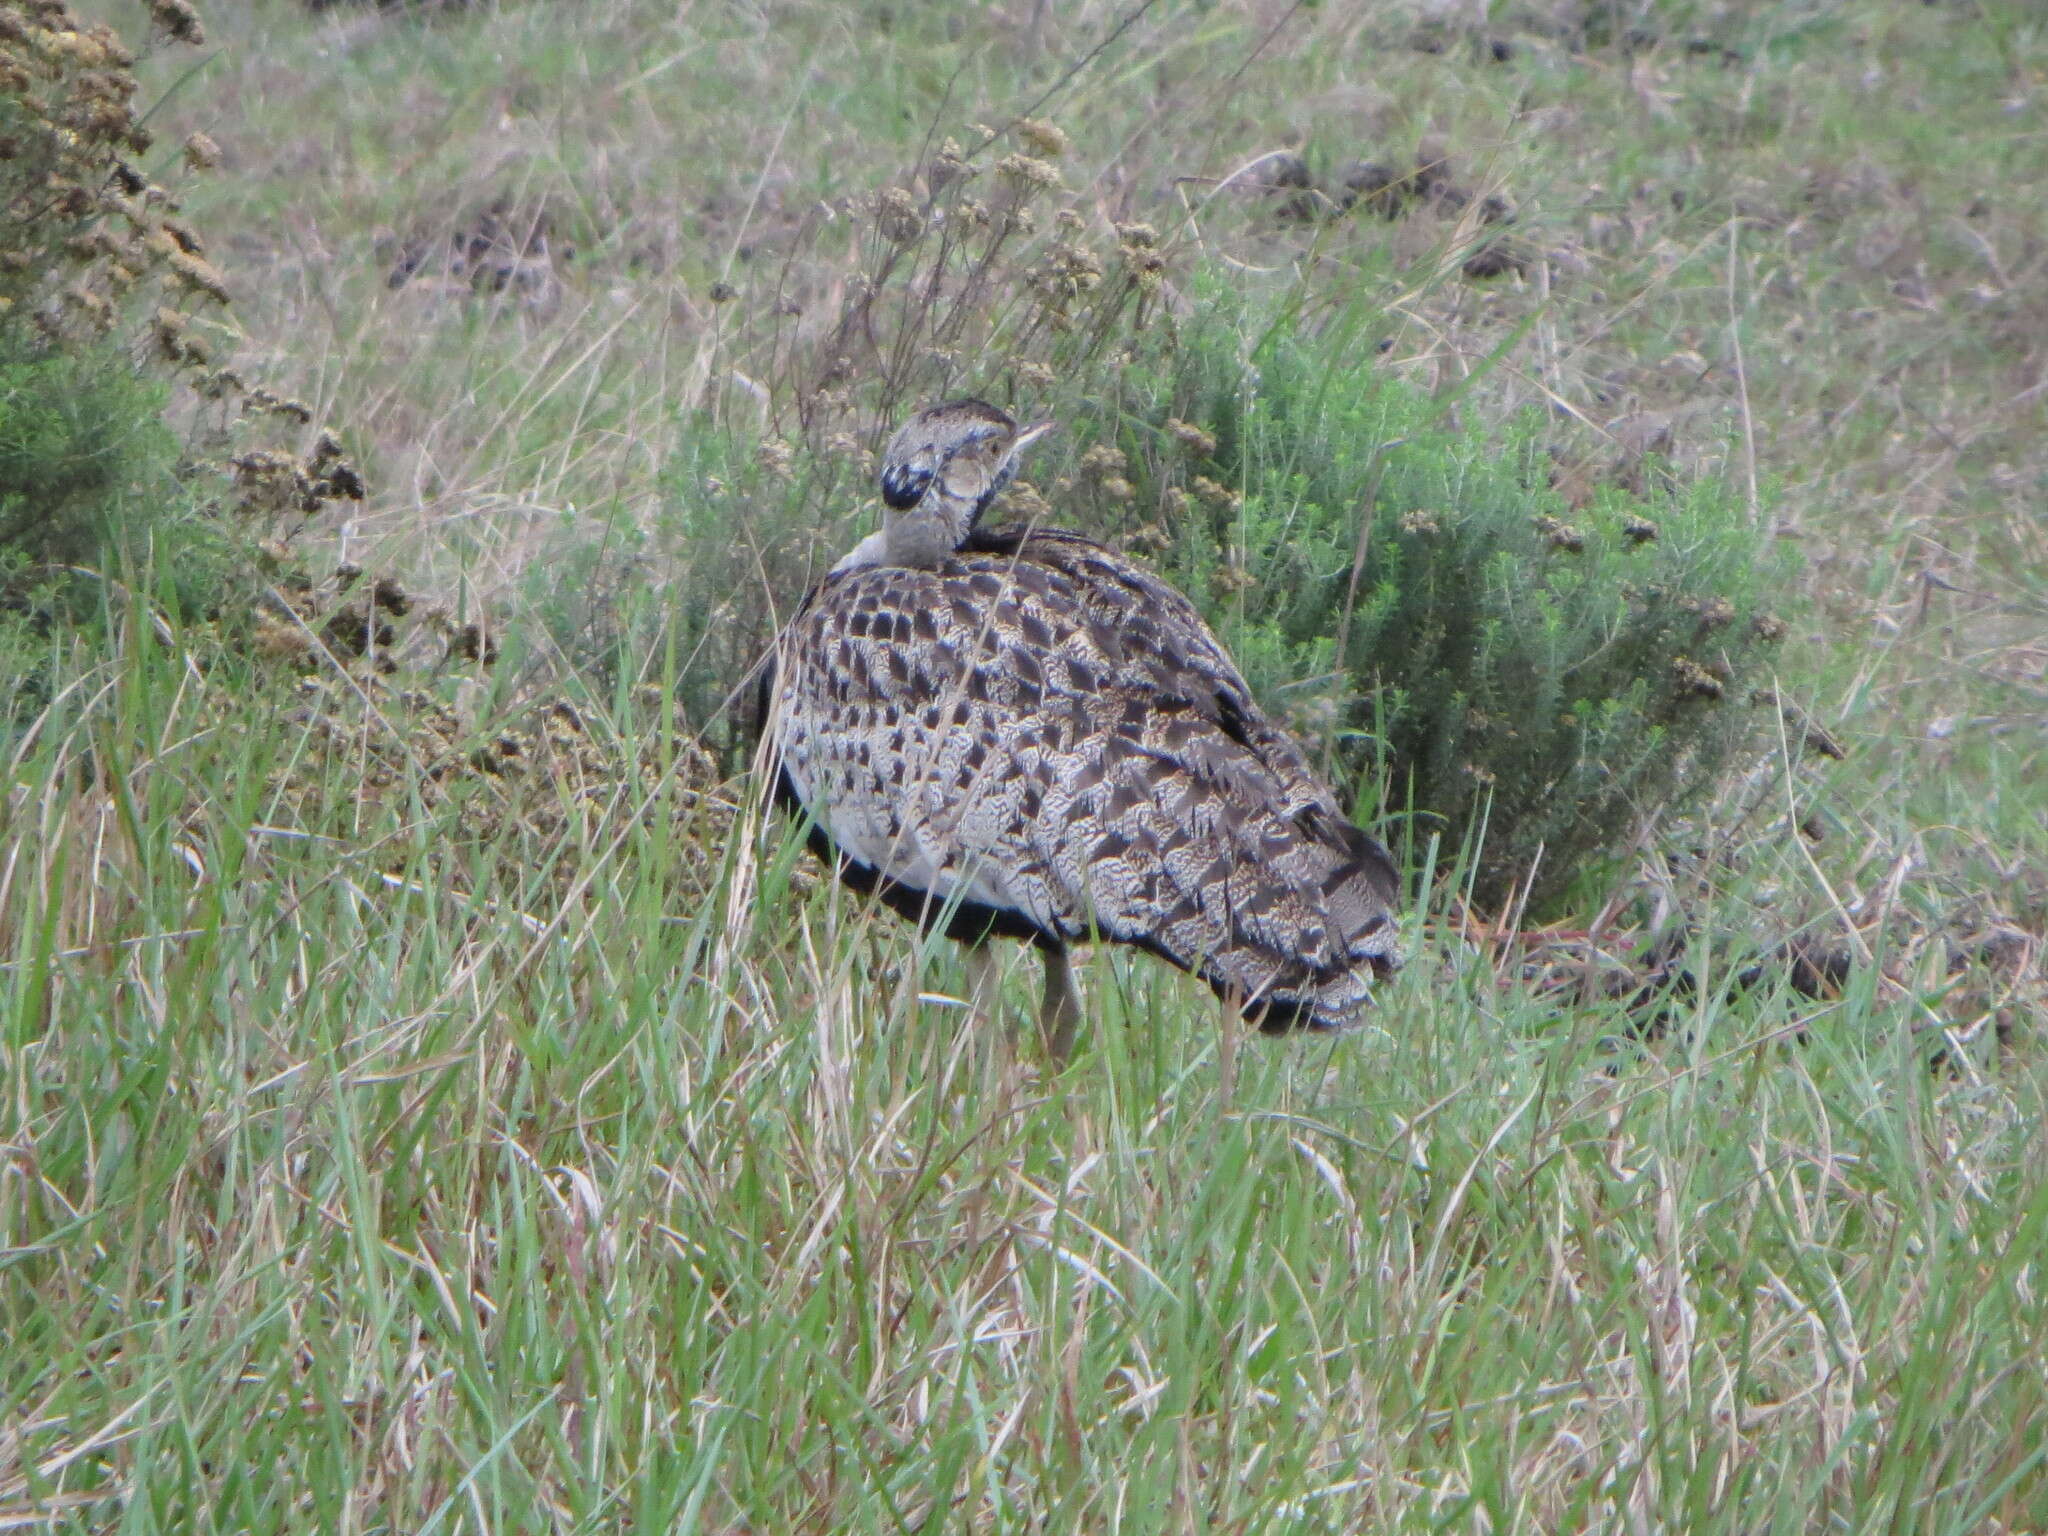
point(926, 535)
point(923, 537)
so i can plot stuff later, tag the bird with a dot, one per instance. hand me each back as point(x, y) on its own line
point(1021, 733)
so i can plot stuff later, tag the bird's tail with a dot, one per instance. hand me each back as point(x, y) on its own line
point(1319, 975)
point(1290, 917)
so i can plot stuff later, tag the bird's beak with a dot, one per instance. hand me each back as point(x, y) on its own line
point(1030, 435)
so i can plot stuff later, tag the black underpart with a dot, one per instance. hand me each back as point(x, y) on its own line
point(1278, 1013)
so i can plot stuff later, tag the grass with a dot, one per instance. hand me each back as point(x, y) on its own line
point(385, 1151)
point(340, 1200)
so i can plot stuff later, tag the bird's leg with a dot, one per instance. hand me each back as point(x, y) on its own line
point(1061, 1012)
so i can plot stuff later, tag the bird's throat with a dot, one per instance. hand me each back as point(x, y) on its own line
point(928, 534)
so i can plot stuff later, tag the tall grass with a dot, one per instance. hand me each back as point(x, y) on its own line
point(346, 1190)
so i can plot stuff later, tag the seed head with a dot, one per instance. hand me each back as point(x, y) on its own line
point(295, 411)
point(1068, 271)
point(948, 166)
point(1560, 534)
point(78, 48)
point(112, 50)
point(96, 310)
point(897, 216)
point(1028, 175)
point(1025, 501)
point(1716, 613)
point(343, 480)
point(1145, 267)
point(1694, 681)
point(1102, 463)
point(197, 274)
point(174, 339)
point(186, 241)
point(1193, 438)
point(844, 445)
point(221, 383)
point(776, 457)
point(1148, 540)
point(1043, 139)
point(1229, 580)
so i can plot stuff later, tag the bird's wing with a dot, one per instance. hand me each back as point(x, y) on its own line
point(1156, 643)
point(1162, 808)
point(864, 696)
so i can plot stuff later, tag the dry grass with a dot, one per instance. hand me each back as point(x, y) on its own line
point(362, 1172)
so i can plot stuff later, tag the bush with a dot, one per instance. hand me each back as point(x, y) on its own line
point(1501, 661)
point(106, 296)
point(81, 438)
point(96, 275)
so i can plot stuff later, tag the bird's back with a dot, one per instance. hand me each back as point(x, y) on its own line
point(1041, 734)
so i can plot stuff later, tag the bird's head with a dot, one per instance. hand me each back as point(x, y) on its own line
point(963, 451)
point(939, 474)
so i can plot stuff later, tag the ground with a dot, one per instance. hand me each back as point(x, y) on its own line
point(412, 1132)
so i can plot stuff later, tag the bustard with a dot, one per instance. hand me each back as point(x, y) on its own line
point(1018, 733)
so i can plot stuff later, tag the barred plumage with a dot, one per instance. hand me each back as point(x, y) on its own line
point(1021, 733)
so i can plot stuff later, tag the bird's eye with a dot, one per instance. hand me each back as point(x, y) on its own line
point(904, 485)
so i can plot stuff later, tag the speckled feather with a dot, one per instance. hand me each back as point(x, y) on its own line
point(1039, 738)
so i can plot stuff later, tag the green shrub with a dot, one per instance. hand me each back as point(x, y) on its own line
point(1417, 593)
point(82, 439)
point(122, 439)
point(96, 278)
